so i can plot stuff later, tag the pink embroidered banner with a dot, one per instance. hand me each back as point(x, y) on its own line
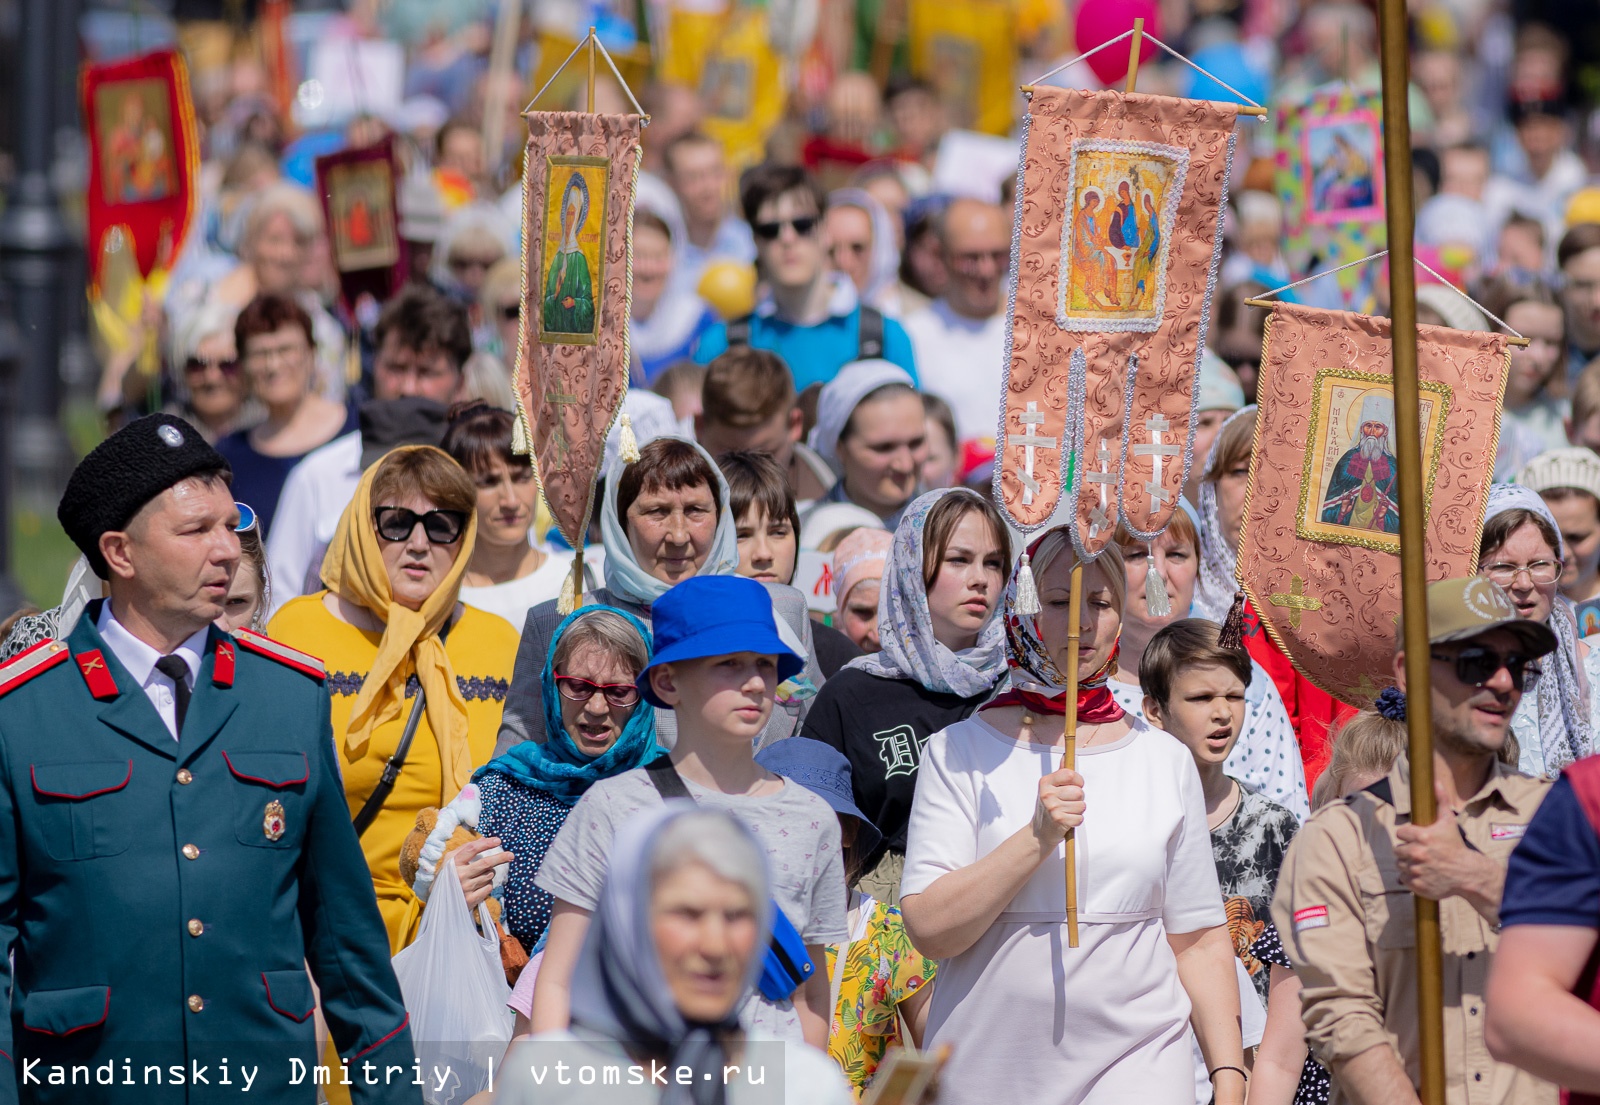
point(579, 177)
point(1115, 250)
point(1319, 545)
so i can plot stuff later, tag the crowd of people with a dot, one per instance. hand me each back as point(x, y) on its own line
point(787, 779)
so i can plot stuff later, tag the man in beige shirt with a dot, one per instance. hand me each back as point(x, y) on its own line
point(1344, 905)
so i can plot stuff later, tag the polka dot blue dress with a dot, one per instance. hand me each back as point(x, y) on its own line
point(526, 820)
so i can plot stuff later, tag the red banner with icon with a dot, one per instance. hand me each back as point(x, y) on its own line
point(144, 159)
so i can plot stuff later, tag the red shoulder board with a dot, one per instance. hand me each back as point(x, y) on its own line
point(96, 674)
point(222, 666)
point(29, 663)
point(282, 653)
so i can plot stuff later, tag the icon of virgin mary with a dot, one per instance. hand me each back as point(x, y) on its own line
point(568, 292)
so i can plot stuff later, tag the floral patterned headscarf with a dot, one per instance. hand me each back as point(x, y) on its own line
point(905, 625)
point(1032, 667)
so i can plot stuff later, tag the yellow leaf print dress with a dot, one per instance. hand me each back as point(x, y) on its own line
point(881, 969)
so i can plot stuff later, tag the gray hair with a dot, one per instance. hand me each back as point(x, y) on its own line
point(282, 199)
point(608, 632)
point(716, 840)
point(484, 376)
point(211, 317)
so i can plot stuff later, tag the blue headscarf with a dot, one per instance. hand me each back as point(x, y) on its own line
point(555, 766)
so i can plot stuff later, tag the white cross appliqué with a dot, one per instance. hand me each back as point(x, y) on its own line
point(1098, 516)
point(1157, 425)
point(1030, 440)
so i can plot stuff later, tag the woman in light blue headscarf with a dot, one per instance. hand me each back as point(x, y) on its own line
point(665, 517)
point(675, 948)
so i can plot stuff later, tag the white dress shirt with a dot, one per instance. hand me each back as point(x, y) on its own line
point(140, 661)
point(314, 497)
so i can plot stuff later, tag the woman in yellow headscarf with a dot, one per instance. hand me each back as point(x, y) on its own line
point(390, 624)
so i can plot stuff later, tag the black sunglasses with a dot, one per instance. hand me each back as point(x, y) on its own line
point(768, 232)
point(511, 312)
point(1476, 665)
point(443, 527)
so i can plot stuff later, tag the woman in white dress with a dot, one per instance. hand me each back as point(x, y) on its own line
point(1105, 1023)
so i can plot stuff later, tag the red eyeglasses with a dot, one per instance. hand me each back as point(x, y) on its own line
point(620, 695)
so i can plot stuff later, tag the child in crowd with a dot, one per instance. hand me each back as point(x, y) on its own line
point(876, 977)
point(719, 658)
point(1568, 480)
point(1364, 750)
point(1195, 690)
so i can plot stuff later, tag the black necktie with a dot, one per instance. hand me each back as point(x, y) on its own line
point(176, 670)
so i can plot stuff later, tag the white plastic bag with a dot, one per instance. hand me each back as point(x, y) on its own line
point(455, 991)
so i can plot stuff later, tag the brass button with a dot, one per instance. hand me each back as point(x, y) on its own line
point(196, 1003)
point(184, 776)
point(191, 852)
point(195, 927)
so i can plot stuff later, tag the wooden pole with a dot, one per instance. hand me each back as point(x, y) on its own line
point(1069, 758)
point(590, 107)
point(1134, 46)
point(502, 62)
point(1413, 574)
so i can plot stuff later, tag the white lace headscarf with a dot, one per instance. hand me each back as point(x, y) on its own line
point(1213, 596)
point(1561, 691)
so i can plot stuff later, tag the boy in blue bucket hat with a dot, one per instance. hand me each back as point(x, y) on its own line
point(720, 653)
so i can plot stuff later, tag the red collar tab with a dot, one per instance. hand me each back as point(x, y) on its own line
point(95, 673)
point(222, 664)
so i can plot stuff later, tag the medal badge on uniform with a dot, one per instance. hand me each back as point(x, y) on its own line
point(1320, 541)
point(272, 824)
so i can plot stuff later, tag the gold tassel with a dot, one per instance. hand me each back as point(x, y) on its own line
point(352, 362)
point(1232, 635)
point(1156, 600)
point(519, 436)
point(568, 600)
point(1027, 593)
point(627, 444)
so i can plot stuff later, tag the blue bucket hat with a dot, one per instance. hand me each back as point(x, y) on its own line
point(716, 616)
point(824, 771)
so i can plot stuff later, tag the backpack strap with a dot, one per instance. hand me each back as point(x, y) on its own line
point(869, 342)
point(739, 332)
point(666, 779)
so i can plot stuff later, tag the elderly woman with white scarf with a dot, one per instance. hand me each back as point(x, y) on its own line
point(1521, 550)
point(675, 947)
point(873, 432)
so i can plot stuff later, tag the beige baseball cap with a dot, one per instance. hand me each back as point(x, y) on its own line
point(1460, 609)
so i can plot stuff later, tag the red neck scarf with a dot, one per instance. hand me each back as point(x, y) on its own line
point(1095, 702)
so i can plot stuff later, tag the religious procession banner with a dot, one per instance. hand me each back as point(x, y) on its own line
point(144, 160)
point(1330, 179)
point(1115, 249)
point(357, 188)
point(967, 50)
point(743, 86)
point(581, 174)
point(1319, 546)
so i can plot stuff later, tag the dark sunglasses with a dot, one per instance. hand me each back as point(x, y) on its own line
point(247, 519)
point(768, 232)
point(511, 312)
point(620, 695)
point(1476, 665)
point(195, 365)
point(443, 527)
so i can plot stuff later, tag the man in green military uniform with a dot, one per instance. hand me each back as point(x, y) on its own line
point(175, 846)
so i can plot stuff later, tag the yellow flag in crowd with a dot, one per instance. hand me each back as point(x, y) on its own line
point(743, 86)
point(967, 49)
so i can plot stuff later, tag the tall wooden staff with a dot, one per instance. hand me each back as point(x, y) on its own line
point(1069, 758)
point(1413, 578)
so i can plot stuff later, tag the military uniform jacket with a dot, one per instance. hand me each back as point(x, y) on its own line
point(163, 897)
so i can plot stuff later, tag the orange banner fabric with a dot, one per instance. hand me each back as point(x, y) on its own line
point(579, 183)
point(1319, 546)
point(1117, 239)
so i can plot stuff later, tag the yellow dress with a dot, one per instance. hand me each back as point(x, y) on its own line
point(482, 648)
